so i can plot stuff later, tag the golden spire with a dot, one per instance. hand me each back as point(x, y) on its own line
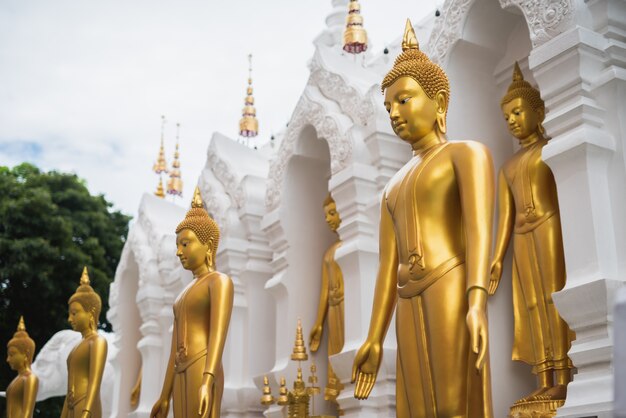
point(313, 389)
point(409, 41)
point(299, 350)
point(282, 394)
point(354, 36)
point(517, 73)
point(175, 184)
point(20, 325)
point(84, 278)
point(160, 166)
point(196, 202)
point(249, 125)
point(267, 398)
point(159, 191)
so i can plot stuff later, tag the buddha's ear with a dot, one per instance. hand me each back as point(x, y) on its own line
point(442, 108)
point(209, 253)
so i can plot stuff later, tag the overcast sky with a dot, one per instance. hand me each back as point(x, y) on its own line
point(83, 84)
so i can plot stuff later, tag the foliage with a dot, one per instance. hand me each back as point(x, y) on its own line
point(50, 227)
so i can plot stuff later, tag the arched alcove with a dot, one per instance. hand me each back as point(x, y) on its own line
point(479, 67)
point(128, 357)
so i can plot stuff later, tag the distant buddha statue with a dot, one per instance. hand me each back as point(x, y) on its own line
point(331, 307)
point(194, 378)
point(22, 391)
point(529, 211)
point(435, 241)
point(85, 364)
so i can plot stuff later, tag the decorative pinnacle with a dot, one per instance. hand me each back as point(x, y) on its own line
point(313, 389)
point(159, 191)
point(282, 394)
point(196, 202)
point(175, 183)
point(84, 278)
point(299, 349)
point(409, 41)
point(160, 166)
point(354, 35)
point(517, 73)
point(21, 326)
point(267, 398)
point(249, 125)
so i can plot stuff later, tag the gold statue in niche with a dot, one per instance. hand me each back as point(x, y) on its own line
point(85, 364)
point(22, 391)
point(331, 306)
point(529, 209)
point(194, 378)
point(435, 240)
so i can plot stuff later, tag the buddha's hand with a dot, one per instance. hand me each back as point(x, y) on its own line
point(365, 368)
point(315, 337)
point(496, 275)
point(478, 329)
point(160, 408)
point(205, 393)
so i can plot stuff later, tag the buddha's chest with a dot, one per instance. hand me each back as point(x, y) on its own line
point(15, 391)
point(78, 359)
point(193, 301)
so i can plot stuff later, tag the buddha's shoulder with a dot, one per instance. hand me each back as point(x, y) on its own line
point(468, 149)
point(217, 278)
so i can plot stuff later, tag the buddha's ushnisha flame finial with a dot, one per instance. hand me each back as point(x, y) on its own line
point(160, 166)
point(354, 36)
point(175, 183)
point(409, 40)
point(299, 350)
point(249, 125)
point(84, 278)
point(517, 73)
point(159, 191)
point(20, 325)
point(196, 202)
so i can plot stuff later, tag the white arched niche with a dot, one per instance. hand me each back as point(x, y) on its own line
point(479, 65)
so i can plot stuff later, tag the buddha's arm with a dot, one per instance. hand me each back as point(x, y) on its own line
point(221, 305)
point(475, 176)
point(506, 213)
point(64, 411)
point(386, 281)
point(322, 309)
point(30, 395)
point(97, 360)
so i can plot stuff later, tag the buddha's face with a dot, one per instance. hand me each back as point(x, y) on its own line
point(332, 216)
point(16, 359)
point(191, 252)
point(79, 319)
point(413, 114)
point(522, 120)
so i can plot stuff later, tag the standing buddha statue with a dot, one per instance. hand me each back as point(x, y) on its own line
point(194, 377)
point(85, 364)
point(22, 391)
point(435, 240)
point(331, 306)
point(529, 210)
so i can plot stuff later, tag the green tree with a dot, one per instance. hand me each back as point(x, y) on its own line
point(50, 227)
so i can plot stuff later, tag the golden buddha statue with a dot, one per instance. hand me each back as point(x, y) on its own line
point(85, 364)
point(529, 209)
point(331, 305)
point(194, 378)
point(435, 240)
point(22, 391)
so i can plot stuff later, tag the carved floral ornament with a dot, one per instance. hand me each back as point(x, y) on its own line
point(311, 113)
point(545, 19)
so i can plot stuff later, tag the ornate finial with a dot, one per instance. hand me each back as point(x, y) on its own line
point(282, 394)
point(175, 183)
point(21, 326)
point(84, 278)
point(159, 191)
point(299, 350)
point(313, 389)
point(196, 202)
point(160, 166)
point(249, 125)
point(354, 36)
point(517, 73)
point(409, 41)
point(267, 398)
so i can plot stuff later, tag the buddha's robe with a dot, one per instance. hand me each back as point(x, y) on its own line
point(83, 388)
point(335, 316)
point(423, 207)
point(21, 394)
point(542, 338)
point(190, 340)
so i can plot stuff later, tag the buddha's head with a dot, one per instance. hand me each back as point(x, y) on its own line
point(20, 348)
point(416, 91)
point(332, 216)
point(197, 237)
point(84, 306)
point(523, 107)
